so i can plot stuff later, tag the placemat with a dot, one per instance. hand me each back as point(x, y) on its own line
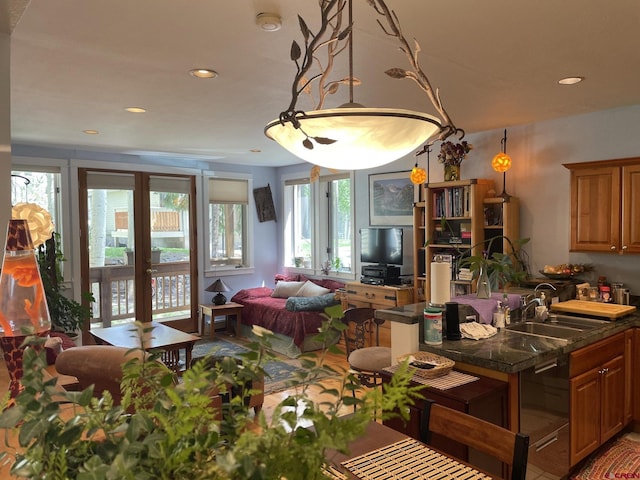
point(409, 459)
point(450, 380)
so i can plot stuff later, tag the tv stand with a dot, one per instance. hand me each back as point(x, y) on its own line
point(358, 294)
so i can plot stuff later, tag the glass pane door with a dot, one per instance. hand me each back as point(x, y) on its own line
point(140, 255)
point(169, 201)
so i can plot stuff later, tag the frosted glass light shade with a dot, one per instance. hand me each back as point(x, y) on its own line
point(365, 137)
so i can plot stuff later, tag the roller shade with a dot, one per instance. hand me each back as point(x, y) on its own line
point(228, 191)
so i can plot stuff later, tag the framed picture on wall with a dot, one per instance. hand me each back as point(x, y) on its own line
point(391, 197)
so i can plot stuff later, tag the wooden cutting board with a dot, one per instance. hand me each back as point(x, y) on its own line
point(596, 309)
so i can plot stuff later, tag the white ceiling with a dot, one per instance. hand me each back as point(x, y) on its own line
point(76, 64)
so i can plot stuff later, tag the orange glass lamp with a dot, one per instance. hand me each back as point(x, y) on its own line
point(501, 163)
point(23, 304)
point(418, 175)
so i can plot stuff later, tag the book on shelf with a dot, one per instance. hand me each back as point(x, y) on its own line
point(465, 274)
point(452, 202)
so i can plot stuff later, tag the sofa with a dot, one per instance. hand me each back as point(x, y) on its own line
point(293, 310)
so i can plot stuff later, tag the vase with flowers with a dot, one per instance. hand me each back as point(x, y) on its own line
point(451, 156)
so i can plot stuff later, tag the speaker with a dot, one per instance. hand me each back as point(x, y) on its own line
point(452, 321)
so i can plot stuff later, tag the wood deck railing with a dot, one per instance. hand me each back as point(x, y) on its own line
point(113, 289)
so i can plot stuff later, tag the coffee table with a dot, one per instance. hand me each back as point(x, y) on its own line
point(169, 340)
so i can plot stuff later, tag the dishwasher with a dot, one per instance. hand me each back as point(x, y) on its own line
point(544, 415)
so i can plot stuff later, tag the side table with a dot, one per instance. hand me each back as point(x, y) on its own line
point(226, 310)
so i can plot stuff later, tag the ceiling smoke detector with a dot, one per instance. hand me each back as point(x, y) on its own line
point(269, 22)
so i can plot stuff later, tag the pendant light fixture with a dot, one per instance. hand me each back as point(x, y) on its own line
point(351, 136)
point(501, 163)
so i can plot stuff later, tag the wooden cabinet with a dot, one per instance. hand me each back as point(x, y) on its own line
point(635, 376)
point(449, 221)
point(598, 393)
point(605, 206)
point(358, 294)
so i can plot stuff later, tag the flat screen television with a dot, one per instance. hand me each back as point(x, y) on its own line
point(381, 245)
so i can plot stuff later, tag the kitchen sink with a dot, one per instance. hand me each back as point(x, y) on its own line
point(557, 326)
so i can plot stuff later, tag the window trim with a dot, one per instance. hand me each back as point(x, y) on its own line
point(320, 210)
point(208, 270)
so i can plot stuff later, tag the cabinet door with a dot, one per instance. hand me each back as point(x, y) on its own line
point(613, 398)
point(585, 417)
point(595, 209)
point(631, 209)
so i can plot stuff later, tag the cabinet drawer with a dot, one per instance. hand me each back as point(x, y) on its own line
point(374, 297)
point(595, 355)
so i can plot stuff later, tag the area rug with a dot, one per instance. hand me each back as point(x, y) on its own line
point(278, 371)
point(620, 460)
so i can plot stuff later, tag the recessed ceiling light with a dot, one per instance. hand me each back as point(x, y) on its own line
point(91, 132)
point(269, 22)
point(203, 73)
point(135, 110)
point(570, 80)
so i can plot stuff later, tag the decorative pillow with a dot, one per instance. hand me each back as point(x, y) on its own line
point(310, 289)
point(332, 285)
point(311, 304)
point(287, 277)
point(287, 289)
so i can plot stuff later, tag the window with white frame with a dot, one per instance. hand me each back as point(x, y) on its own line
point(318, 224)
point(228, 237)
point(41, 187)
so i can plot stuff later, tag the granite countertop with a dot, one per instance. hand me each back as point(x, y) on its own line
point(507, 351)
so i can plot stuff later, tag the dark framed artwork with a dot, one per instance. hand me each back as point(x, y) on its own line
point(264, 204)
point(391, 197)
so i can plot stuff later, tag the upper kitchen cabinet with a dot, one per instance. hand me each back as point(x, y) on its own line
point(605, 206)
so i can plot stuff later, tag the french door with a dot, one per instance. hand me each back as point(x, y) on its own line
point(138, 247)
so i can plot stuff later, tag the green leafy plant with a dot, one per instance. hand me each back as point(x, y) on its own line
point(66, 314)
point(166, 429)
point(502, 268)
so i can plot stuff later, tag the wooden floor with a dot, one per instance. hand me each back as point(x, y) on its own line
point(271, 401)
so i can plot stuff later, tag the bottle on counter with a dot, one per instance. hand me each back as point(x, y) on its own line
point(506, 311)
point(604, 289)
point(432, 326)
point(498, 316)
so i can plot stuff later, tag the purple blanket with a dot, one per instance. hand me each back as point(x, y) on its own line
point(486, 307)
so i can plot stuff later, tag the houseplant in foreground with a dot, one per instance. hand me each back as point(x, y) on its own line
point(174, 432)
point(66, 314)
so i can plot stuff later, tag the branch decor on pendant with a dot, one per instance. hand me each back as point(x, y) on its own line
point(352, 136)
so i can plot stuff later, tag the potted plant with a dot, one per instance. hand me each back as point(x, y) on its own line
point(66, 314)
point(499, 269)
point(166, 430)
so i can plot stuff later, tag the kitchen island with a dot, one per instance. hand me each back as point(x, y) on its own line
point(570, 395)
point(507, 351)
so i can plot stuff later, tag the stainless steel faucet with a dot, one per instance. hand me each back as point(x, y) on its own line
point(545, 284)
point(534, 302)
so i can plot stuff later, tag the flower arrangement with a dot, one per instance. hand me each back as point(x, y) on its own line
point(452, 154)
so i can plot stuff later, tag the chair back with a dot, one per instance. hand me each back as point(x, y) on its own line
point(360, 322)
point(498, 442)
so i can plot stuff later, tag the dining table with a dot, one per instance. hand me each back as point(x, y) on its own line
point(384, 453)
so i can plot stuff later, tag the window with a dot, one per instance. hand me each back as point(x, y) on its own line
point(228, 223)
point(39, 187)
point(328, 205)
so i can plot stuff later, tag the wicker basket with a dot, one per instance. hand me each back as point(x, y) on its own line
point(443, 365)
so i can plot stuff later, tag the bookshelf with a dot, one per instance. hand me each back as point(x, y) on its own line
point(448, 220)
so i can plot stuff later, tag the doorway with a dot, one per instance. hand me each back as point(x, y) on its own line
point(138, 247)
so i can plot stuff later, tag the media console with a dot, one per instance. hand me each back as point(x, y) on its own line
point(380, 275)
